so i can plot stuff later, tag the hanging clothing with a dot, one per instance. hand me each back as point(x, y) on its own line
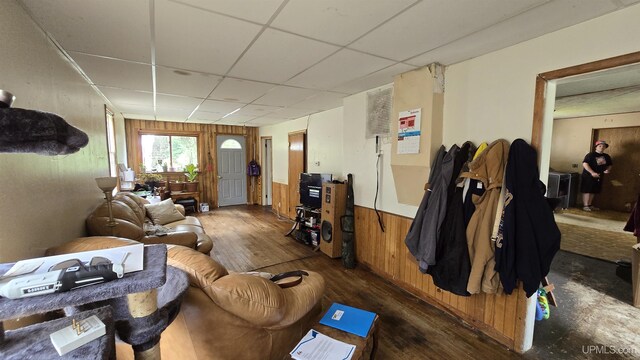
point(528, 238)
point(419, 226)
point(471, 188)
point(488, 168)
point(452, 267)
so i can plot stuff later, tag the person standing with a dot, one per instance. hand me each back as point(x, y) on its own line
point(595, 165)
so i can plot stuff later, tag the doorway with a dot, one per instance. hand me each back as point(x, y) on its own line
point(232, 178)
point(297, 165)
point(562, 141)
point(267, 178)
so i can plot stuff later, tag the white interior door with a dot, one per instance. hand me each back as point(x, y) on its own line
point(232, 177)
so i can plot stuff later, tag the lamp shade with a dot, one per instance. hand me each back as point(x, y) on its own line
point(107, 184)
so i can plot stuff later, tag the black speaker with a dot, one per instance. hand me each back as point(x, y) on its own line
point(333, 208)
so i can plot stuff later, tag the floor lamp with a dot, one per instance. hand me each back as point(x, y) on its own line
point(107, 184)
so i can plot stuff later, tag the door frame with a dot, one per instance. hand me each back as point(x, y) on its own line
point(544, 102)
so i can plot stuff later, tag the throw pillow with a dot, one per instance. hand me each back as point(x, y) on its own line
point(163, 212)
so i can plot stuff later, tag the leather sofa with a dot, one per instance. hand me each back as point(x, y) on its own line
point(226, 315)
point(130, 215)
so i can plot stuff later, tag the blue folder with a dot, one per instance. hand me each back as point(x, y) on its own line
point(349, 319)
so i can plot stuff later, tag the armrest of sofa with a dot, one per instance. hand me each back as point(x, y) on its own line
point(183, 238)
point(264, 303)
point(180, 209)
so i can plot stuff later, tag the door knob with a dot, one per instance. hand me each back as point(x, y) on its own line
point(219, 177)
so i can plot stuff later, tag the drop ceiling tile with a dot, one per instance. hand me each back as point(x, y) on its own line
point(185, 83)
point(117, 73)
point(136, 116)
point(277, 56)
point(345, 65)
point(235, 120)
point(122, 96)
point(324, 101)
point(285, 96)
point(265, 121)
point(206, 116)
point(541, 20)
point(97, 27)
point(336, 21)
point(431, 24)
point(221, 107)
point(240, 90)
point(258, 11)
point(188, 38)
point(136, 109)
point(291, 113)
point(257, 110)
point(172, 114)
point(379, 78)
point(164, 101)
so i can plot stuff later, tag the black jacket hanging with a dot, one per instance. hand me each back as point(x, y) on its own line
point(529, 237)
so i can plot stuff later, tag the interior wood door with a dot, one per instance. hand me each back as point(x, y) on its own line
point(297, 165)
point(232, 177)
point(620, 188)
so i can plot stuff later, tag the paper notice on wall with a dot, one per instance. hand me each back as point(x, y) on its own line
point(409, 132)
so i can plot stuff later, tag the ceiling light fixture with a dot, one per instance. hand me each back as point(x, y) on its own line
point(233, 112)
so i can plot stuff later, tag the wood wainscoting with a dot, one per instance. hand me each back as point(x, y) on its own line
point(280, 200)
point(500, 316)
point(208, 164)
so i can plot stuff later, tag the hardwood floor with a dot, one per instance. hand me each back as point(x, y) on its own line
point(250, 238)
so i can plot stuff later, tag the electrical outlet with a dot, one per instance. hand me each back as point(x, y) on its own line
point(316, 163)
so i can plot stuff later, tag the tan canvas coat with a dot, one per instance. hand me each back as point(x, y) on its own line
point(488, 168)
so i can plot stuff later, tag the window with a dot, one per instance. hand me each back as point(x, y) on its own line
point(168, 152)
point(230, 144)
point(111, 142)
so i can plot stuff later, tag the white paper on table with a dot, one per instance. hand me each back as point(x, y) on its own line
point(317, 346)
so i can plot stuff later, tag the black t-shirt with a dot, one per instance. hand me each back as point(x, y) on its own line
point(598, 162)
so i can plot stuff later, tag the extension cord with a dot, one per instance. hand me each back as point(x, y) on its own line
point(69, 338)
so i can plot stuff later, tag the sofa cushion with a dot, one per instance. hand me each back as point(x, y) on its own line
point(187, 220)
point(163, 212)
point(201, 269)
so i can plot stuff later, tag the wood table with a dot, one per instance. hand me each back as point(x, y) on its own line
point(175, 195)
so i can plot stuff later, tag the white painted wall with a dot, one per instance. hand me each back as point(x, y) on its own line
point(486, 98)
point(572, 138)
point(45, 200)
point(324, 143)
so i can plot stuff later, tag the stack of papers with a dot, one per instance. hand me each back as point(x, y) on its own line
point(318, 346)
point(349, 319)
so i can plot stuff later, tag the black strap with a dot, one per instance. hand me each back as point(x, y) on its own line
point(289, 274)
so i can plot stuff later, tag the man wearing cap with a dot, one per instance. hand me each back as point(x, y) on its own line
point(595, 164)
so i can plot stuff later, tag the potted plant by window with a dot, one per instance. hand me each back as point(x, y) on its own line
point(152, 180)
point(191, 172)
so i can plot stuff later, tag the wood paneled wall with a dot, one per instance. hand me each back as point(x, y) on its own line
point(208, 179)
point(499, 316)
point(280, 200)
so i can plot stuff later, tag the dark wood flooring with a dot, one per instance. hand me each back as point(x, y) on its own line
point(250, 238)
point(594, 305)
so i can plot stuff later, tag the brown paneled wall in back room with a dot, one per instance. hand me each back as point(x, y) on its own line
point(207, 133)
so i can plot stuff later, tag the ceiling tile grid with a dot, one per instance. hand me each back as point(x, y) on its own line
point(278, 60)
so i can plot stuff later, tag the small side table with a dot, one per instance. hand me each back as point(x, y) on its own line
point(176, 195)
point(365, 346)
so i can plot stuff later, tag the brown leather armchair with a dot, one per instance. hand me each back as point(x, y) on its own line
point(227, 315)
point(130, 215)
